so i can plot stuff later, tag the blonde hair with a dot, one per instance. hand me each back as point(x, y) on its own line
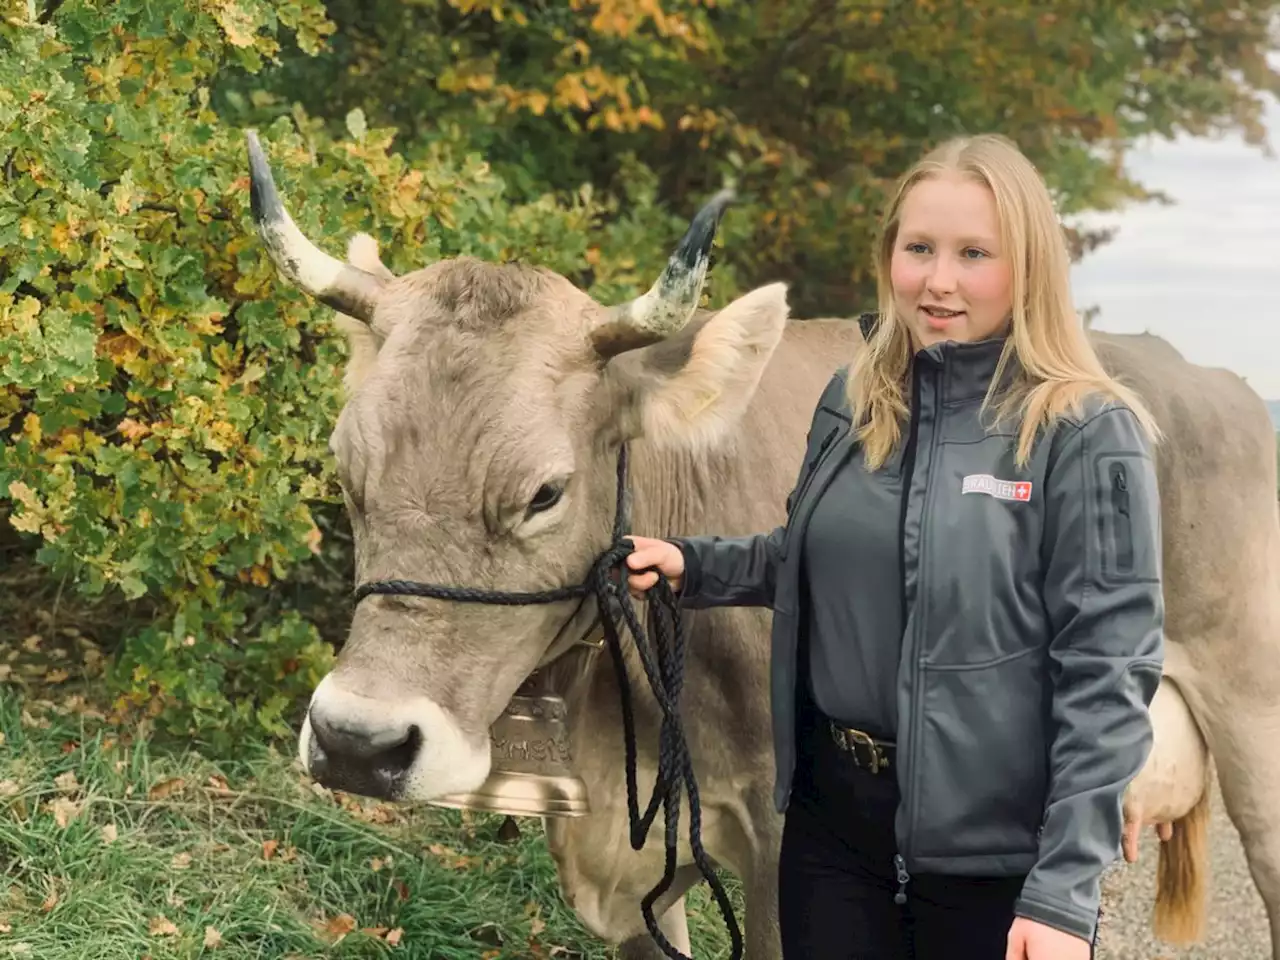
point(1057, 366)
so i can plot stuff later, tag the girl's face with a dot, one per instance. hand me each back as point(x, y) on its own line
point(951, 278)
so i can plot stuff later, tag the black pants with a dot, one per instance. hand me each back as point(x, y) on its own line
point(838, 880)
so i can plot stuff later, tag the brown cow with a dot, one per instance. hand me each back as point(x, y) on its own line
point(477, 448)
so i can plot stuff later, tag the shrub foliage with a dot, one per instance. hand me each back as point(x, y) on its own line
point(165, 400)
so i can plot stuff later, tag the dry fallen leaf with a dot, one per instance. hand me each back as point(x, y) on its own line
point(217, 786)
point(57, 676)
point(165, 787)
point(63, 810)
point(162, 926)
point(269, 848)
point(336, 929)
point(8, 788)
point(5, 928)
point(110, 833)
point(212, 938)
point(66, 782)
point(449, 859)
point(50, 901)
point(395, 936)
point(180, 861)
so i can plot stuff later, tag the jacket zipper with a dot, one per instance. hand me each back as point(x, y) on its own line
point(1120, 503)
point(916, 662)
point(907, 472)
point(903, 879)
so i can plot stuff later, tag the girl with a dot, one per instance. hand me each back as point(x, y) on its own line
point(967, 600)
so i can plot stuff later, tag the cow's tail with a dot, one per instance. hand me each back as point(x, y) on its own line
point(1182, 877)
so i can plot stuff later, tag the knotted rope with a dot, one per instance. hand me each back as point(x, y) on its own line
point(663, 662)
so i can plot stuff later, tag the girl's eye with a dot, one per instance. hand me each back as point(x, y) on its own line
point(917, 248)
point(975, 252)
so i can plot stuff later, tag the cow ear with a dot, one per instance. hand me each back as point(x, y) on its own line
point(363, 342)
point(691, 389)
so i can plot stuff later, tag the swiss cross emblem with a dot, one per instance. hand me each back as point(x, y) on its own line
point(985, 483)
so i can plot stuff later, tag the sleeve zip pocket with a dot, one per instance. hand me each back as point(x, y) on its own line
point(1123, 518)
point(1128, 527)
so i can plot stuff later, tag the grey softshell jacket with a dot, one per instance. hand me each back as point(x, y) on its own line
point(1033, 639)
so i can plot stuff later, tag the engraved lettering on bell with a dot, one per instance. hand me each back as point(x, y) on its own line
point(538, 751)
point(531, 772)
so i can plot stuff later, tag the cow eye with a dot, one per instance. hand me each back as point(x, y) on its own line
point(548, 496)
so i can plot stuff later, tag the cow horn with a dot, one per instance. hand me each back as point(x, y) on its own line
point(671, 301)
point(344, 287)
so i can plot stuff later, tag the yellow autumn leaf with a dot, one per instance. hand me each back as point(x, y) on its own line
point(133, 430)
point(238, 24)
point(31, 428)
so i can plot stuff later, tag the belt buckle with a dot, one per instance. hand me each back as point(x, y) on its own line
point(850, 740)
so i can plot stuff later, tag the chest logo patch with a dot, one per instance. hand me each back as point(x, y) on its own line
point(1019, 490)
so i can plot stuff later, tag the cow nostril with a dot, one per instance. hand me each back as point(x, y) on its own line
point(360, 760)
point(394, 761)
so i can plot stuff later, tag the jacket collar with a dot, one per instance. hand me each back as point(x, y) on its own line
point(965, 369)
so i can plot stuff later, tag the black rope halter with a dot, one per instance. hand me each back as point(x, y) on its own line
point(663, 665)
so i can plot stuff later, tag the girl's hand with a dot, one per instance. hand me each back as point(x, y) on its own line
point(1030, 940)
point(653, 553)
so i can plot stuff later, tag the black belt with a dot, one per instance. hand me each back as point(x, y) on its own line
point(866, 751)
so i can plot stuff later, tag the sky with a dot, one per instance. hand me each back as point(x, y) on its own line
point(1203, 272)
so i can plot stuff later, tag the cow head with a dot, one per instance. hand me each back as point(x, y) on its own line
point(477, 448)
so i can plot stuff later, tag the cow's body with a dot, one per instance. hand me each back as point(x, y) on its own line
point(1222, 573)
point(478, 449)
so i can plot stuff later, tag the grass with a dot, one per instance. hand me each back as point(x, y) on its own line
point(113, 846)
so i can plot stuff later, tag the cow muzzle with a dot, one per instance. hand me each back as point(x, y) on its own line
point(406, 750)
point(359, 759)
